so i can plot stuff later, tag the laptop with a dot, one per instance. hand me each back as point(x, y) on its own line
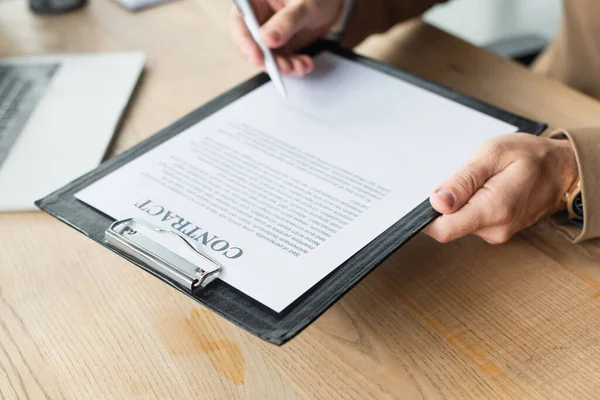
point(58, 115)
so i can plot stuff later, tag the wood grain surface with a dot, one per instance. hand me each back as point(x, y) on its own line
point(463, 320)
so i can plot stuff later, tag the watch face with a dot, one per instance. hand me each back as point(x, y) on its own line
point(578, 205)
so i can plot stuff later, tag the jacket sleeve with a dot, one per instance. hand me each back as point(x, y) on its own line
point(377, 16)
point(586, 143)
point(574, 59)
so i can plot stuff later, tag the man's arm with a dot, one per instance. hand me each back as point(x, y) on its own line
point(586, 145)
point(377, 16)
point(574, 55)
point(574, 59)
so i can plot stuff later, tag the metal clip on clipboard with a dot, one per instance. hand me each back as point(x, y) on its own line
point(134, 237)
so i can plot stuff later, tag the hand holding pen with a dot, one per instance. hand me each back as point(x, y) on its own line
point(285, 27)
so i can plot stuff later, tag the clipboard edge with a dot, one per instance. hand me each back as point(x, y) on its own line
point(303, 318)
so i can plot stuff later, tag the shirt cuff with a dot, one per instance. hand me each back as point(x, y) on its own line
point(586, 145)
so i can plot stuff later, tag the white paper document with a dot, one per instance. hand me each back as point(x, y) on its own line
point(282, 191)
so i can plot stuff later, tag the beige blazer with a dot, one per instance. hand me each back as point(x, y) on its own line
point(573, 58)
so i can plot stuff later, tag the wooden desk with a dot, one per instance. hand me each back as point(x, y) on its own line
point(462, 320)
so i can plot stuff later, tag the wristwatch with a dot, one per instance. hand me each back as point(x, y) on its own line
point(573, 200)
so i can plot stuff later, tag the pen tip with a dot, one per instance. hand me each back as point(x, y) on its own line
point(280, 88)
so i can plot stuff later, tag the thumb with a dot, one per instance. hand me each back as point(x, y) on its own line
point(284, 24)
point(453, 194)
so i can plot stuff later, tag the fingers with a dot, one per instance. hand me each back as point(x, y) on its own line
point(443, 233)
point(471, 218)
point(288, 64)
point(296, 65)
point(285, 23)
point(453, 194)
point(507, 187)
point(284, 65)
point(242, 38)
point(492, 213)
point(302, 65)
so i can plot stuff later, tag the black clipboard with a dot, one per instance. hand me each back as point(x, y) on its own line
point(276, 328)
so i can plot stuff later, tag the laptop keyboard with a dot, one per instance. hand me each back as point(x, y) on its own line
point(21, 87)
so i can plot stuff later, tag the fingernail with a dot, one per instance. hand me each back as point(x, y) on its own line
point(274, 35)
point(447, 196)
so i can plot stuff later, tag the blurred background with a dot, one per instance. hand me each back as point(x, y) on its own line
point(513, 28)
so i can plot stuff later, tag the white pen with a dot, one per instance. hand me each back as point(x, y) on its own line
point(252, 24)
